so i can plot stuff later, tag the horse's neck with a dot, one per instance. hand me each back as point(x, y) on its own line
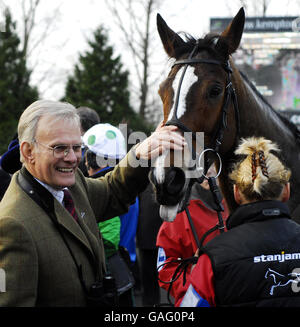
point(257, 118)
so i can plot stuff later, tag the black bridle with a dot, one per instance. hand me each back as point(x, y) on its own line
point(229, 95)
point(216, 142)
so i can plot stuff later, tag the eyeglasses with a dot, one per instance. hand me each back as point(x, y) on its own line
point(62, 150)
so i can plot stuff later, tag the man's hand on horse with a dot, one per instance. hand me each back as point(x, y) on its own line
point(164, 138)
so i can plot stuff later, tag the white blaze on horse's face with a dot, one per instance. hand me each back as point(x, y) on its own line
point(180, 159)
point(163, 161)
point(160, 165)
point(189, 79)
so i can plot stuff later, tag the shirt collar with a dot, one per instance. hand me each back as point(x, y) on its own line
point(58, 194)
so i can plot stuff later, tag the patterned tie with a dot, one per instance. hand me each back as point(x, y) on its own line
point(69, 204)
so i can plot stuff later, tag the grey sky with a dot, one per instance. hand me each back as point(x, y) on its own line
point(79, 18)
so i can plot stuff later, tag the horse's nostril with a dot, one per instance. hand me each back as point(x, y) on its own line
point(174, 181)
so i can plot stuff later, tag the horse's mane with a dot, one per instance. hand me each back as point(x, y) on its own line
point(284, 119)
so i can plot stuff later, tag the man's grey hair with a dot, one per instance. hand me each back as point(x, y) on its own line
point(29, 119)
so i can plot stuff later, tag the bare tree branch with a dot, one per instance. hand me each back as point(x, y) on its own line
point(133, 18)
point(36, 28)
point(257, 7)
point(29, 22)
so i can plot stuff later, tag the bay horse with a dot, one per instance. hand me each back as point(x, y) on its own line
point(205, 92)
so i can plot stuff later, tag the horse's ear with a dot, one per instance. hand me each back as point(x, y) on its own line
point(169, 38)
point(232, 34)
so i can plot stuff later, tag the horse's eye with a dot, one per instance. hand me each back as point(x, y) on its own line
point(215, 91)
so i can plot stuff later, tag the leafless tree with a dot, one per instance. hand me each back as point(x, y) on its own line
point(134, 19)
point(30, 23)
point(31, 40)
point(28, 16)
point(257, 7)
point(260, 7)
point(35, 28)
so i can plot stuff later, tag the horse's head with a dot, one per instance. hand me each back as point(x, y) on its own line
point(197, 97)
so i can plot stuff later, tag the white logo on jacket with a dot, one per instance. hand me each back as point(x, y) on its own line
point(276, 257)
point(280, 280)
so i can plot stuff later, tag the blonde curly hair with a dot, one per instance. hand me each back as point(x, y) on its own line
point(261, 175)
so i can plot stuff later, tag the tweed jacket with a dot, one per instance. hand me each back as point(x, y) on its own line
point(38, 267)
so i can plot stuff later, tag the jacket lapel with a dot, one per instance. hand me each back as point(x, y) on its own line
point(62, 216)
point(67, 221)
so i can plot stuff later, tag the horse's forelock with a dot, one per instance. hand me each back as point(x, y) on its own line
point(186, 47)
point(207, 43)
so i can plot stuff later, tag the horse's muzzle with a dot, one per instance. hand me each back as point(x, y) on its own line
point(170, 192)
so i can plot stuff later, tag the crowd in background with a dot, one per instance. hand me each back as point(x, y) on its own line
point(146, 255)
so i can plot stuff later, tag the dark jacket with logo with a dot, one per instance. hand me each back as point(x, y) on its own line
point(257, 261)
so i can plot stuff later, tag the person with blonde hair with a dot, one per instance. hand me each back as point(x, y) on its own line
point(261, 176)
point(256, 262)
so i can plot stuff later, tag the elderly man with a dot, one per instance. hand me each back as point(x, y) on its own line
point(51, 251)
